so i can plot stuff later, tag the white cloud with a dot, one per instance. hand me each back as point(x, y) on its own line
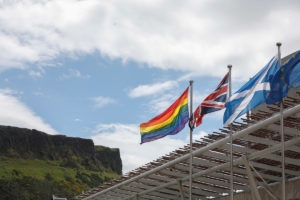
point(39, 93)
point(152, 89)
point(196, 135)
point(10, 92)
point(126, 137)
point(77, 120)
point(73, 73)
point(159, 104)
point(36, 74)
point(198, 98)
point(101, 101)
point(198, 36)
point(15, 113)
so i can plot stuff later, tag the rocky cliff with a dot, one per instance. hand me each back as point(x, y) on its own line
point(33, 144)
point(35, 165)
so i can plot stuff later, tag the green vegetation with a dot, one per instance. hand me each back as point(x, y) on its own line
point(39, 179)
point(35, 165)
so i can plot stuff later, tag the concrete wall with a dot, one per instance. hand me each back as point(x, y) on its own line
point(292, 192)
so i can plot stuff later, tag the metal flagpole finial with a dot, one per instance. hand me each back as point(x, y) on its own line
point(229, 81)
point(278, 44)
point(191, 82)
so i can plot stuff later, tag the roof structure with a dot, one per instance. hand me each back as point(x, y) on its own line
point(256, 146)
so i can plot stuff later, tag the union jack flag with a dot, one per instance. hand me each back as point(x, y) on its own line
point(213, 102)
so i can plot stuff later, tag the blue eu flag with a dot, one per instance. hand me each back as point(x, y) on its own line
point(287, 77)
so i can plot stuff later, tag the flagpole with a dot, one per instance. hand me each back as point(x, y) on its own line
point(191, 140)
point(281, 133)
point(231, 157)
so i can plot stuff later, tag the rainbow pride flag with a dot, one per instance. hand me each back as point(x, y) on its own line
point(169, 122)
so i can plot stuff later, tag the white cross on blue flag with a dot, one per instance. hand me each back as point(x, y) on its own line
point(252, 94)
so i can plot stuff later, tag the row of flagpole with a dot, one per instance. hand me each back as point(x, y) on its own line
point(231, 142)
point(173, 119)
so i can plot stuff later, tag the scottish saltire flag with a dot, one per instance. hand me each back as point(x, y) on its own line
point(287, 77)
point(169, 122)
point(213, 102)
point(252, 94)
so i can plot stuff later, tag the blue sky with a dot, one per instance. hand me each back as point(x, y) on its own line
point(97, 69)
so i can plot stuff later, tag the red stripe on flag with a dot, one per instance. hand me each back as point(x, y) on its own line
point(214, 95)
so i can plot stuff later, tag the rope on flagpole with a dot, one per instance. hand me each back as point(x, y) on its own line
point(191, 141)
point(278, 44)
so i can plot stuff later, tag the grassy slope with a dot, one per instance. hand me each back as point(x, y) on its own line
point(39, 179)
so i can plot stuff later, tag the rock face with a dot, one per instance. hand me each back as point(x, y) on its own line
point(33, 144)
point(105, 154)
